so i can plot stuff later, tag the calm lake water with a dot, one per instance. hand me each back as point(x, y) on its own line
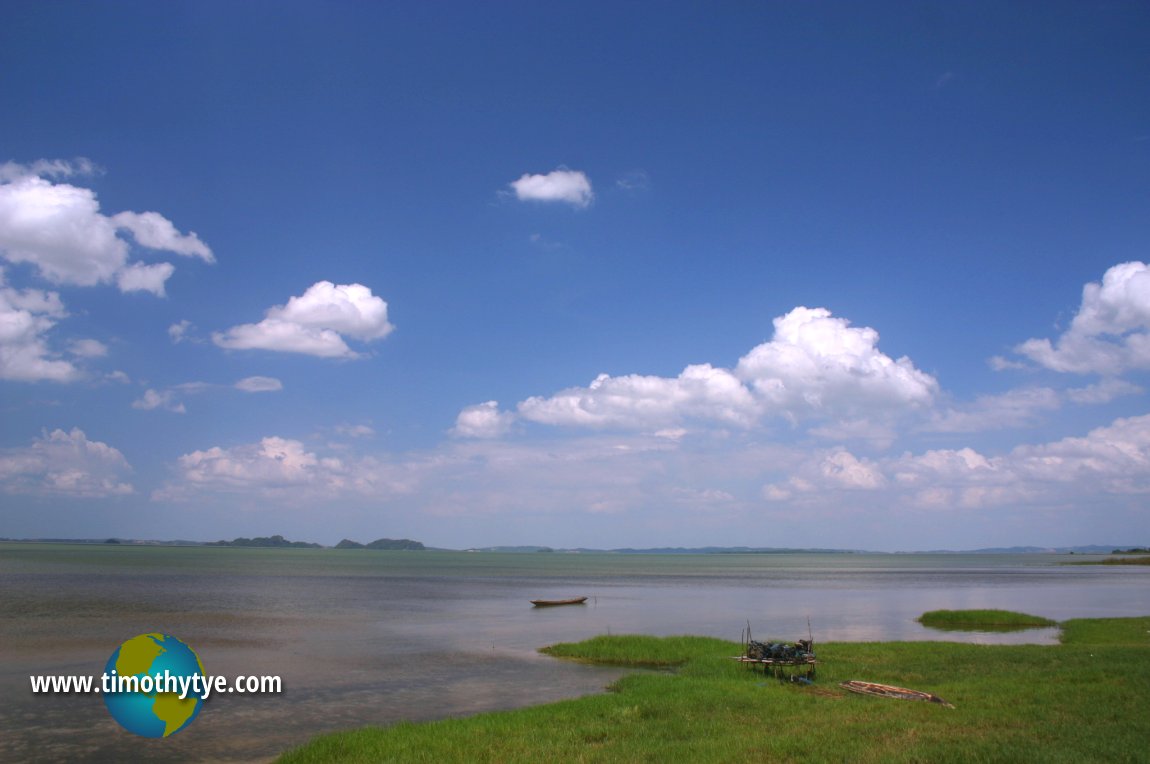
point(362, 637)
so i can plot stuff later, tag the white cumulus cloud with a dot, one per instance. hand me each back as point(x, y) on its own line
point(836, 470)
point(154, 231)
point(141, 277)
point(26, 316)
point(1110, 332)
point(315, 323)
point(64, 464)
point(273, 461)
point(58, 228)
point(483, 420)
point(561, 185)
point(276, 467)
point(634, 401)
point(815, 367)
point(846, 470)
point(819, 364)
point(1112, 460)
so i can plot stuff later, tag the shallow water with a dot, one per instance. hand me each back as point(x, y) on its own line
point(364, 637)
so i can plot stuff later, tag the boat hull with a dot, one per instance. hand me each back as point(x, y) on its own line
point(890, 691)
point(553, 603)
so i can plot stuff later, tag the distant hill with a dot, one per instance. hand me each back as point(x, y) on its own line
point(395, 544)
point(266, 541)
point(389, 544)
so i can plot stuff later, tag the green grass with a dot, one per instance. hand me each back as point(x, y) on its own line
point(1121, 557)
point(982, 620)
point(638, 651)
point(1124, 561)
point(1083, 700)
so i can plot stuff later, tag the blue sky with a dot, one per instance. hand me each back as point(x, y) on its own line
point(780, 274)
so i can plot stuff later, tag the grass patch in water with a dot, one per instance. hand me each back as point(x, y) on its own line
point(982, 620)
point(1024, 703)
point(637, 650)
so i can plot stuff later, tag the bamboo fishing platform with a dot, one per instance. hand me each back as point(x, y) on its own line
point(780, 668)
point(784, 660)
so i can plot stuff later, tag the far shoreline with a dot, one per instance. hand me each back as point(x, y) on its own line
point(388, 544)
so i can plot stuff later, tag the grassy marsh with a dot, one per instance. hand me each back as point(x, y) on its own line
point(1081, 700)
point(1122, 561)
point(982, 620)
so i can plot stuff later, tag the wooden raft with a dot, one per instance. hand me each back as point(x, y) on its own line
point(778, 667)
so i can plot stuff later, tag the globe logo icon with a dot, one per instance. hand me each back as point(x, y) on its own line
point(144, 675)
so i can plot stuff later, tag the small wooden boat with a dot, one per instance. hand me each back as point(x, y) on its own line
point(889, 691)
point(552, 603)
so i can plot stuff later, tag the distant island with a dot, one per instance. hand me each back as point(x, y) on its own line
point(392, 544)
point(278, 542)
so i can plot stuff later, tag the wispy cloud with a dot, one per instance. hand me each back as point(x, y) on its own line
point(164, 400)
point(181, 332)
point(635, 180)
point(259, 385)
point(1014, 408)
point(943, 80)
point(170, 399)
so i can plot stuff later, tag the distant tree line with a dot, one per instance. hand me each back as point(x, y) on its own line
point(267, 541)
point(279, 542)
point(381, 544)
